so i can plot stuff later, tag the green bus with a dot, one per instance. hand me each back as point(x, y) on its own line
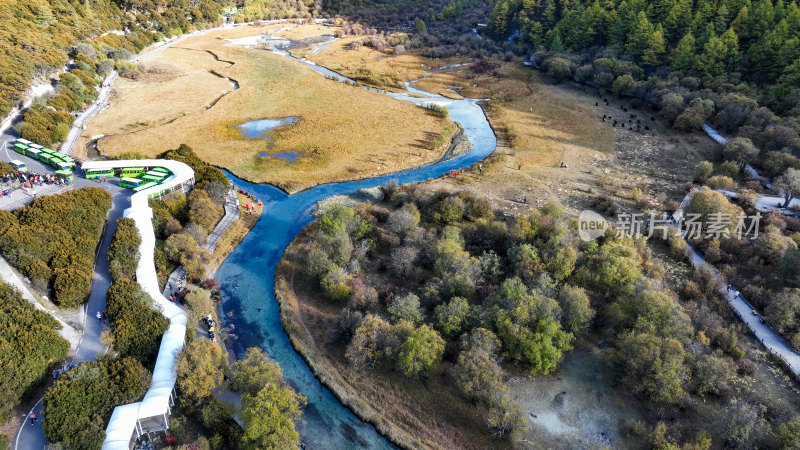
point(19, 165)
point(23, 149)
point(144, 186)
point(23, 141)
point(33, 152)
point(61, 166)
point(130, 183)
point(99, 173)
point(64, 157)
point(62, 160)
point(46, 158)
point(152, 179)
point(47, 150)
point(131, 172)
point(161, 169)
point(64, 174)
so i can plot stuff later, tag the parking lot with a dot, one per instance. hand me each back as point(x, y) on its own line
point(21, 196)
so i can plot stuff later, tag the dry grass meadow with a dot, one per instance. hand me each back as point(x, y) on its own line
point(345, 132)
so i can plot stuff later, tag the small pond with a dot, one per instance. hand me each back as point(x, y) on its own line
point(259, 129)
point(289, 157)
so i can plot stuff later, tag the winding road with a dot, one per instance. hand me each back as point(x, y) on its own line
point(764, 333)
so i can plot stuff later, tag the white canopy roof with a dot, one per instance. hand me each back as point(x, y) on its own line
point(157, 399)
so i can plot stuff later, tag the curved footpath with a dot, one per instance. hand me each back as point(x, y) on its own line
point(765, 334)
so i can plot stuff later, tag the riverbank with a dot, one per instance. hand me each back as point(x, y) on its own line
point(235, 233)
point(418, 415)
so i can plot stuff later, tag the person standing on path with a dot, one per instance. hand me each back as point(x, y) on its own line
point(33, 418)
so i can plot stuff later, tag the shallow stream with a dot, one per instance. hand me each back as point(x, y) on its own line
point(248, 274)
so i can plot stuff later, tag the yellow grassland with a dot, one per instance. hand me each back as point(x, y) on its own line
point(345, 132)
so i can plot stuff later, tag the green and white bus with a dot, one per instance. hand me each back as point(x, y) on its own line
point(161, 169)
point(62, 166)
point(61, 161)
point(99, 173)
point(64, 158)
point(130, 183)
point(152, 179)
point(157, 177)
point(19, 165)
point(144, 186)
point(23, 141)
point(20, 148)
point(64, 174)
point(46, 158)
point(33, 152)
point(131, 172)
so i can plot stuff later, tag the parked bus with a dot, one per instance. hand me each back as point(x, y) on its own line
point(23, 141)
point(99, 173)
point(130, 183)
point(161, 169)
point(62, 166)
point(35, 146)
point(46, 158)
point(19, 165)
point(59, 158)
point(64, 157)
point(131, 172)
point(47, 150)
point(20, 148)
point(152, 179)
point(66, 175)
point(32, 152)
point(144, 186)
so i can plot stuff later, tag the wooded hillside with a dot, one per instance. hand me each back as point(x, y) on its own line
point(38, 37)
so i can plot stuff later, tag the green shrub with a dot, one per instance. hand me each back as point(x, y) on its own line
point(123, 253)
point(79, 405)
point(136, 327)
point(29, 347)
point(52, 241)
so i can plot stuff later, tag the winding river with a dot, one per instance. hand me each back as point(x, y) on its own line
point(248, 274)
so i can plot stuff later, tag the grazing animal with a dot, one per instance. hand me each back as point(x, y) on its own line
point(647, 128)
point(652, 118)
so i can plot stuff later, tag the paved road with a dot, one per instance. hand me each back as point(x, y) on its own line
point(90, 346)
point(762, 330)
point(32, 437)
